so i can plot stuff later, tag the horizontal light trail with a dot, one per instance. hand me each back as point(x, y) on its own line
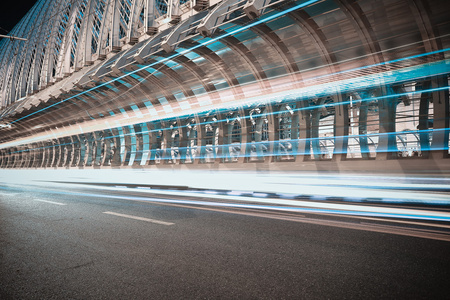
point(246, 152)
point(283, 112)
point(336, 209)
point(280, 112)
point(201, 44)
point(277, 204)
point(139, 218)
point(374, 80)
point(210, 41)
point(367, 81)
point(279, 213)
point(272, 189)
point(308, 207)
point(311, 204)
point(288, 189)
point(292, 94)
point(333, 138)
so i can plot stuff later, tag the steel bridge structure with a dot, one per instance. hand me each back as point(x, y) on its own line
point(228, 84)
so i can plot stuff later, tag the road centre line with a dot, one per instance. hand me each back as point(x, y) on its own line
point(139, 218)
point(301, 206)
point(295, 203)
point(51, 202)
point(435, 235)
point(405, 222)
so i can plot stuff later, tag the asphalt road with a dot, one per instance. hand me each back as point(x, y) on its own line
point(64, 245)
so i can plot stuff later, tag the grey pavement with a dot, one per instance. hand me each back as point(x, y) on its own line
point(56, 246)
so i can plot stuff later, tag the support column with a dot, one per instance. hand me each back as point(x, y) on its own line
point(69, 152)
point(116, 160)
point(139, 145)
point(83, 150)
point(98, 148)
point(11, 156)
point(107, 148)
point(274, 131)
point(51, 154)
point(90, 149)
point(304, 135)
point(222, 143)
point(341, 128)
point(76, 151)
point(362, 125)
point(154, 143)
point(439, 144)
point(201, 136)
point(62, 152)
point(246, 136)
point(424, 122)
point(387, 146)
point(166, 143)
point(315, 124)
point(182, 148)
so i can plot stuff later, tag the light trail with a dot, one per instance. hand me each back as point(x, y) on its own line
point(201, 44)
point(336, 87)
point(294, 151)
point(392, 96)
point(293, 206)
point(287, 188)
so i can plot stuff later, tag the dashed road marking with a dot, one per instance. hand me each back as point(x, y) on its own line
point(139, 218)
point(51, 202)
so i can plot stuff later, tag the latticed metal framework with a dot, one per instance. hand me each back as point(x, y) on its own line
point(291, 84)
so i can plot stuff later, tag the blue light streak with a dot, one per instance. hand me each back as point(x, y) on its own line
point(204, 43)
point(390, 215)
point(332, 104)
point(201, 44)
point(246, 153)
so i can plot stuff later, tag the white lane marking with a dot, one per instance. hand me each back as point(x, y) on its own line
point(51, 202)
point(139, 218)
point(9, 194)
point(405, 222)
point(295, 203)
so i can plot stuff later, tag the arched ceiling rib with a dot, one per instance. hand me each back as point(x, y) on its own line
point(218, 53)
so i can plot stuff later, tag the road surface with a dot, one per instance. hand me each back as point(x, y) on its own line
point(72, 241)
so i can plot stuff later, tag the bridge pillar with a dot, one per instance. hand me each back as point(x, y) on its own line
point(440, 98)
point(116, 159)
point(387, 145)
point(183, 146)
point(315, 121)
point(304, 134)
point(139, 144)
point(274, 131)
point(341, 126)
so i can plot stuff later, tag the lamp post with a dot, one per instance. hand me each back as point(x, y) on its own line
point(12, 38)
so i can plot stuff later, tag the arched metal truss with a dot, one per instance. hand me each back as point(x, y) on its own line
point(107, 83)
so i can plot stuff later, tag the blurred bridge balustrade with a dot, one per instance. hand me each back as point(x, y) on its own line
point(336, 85)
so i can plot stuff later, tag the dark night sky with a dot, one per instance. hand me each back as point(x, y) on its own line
point(12, 11)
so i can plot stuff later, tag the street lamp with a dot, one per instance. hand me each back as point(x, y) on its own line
point(12, 38)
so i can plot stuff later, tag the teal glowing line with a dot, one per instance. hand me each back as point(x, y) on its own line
point(204, 43)
point(413, 73)
point(272, 144)
point(181, 53)
point(201, 114)
point(294, 109)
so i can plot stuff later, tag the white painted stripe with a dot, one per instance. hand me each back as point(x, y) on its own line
point(51, 202)
point(9, 194)
point(405, 222)
point(139, 218)
point(295, 203)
